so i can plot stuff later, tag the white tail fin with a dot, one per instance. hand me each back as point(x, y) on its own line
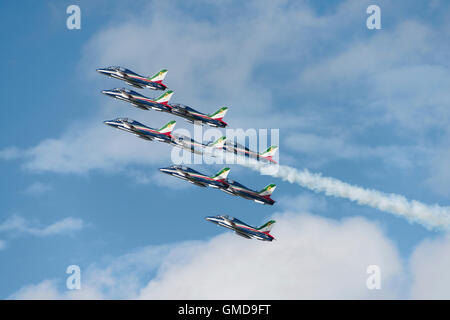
point(159, 77)
point(219, 114)
point(267, 191)
point(269, 153)
point(168, 128)
point(222, 174)
point(218, 144)
point(165, 97)
point(267, 226)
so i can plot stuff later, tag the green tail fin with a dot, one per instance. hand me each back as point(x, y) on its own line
point(167, 129)
point(219, 114)
point(165, 97)
point(219, 142)
point(270, 151)
point(159, 77)
point(266, 227)
point(267, 191)
point(222, 174)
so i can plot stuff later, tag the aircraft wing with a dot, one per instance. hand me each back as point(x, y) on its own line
point(139, 106)
point(198, 183)
point(134, 85)
point(180, 110)
point(242, 234)
point(191, 179)
point(144, 137)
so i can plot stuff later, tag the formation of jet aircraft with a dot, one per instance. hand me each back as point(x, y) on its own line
point(162, 104)
point(242, 229)
point(220, 181)
point(164, 134)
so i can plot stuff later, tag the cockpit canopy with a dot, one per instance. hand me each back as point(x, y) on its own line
point(125, 120)
point(183, 106)
point(181, 167)
point(117, 68)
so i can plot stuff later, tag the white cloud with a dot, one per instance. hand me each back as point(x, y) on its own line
point(430, 263)
point(18, 224)
point(439, 176)
point(322, 149)
point(37, 188)
point(9, 153)
point(312, 258)
point(93, 146)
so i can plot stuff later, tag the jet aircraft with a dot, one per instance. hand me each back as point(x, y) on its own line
point(242, 229)
point(188, 144)
point(228, 186)
point(140, 101)
point(134, 79)
point(163, 134)
point(236, 148)
point(214, 119)
point(196, 147)
point(263, 196)
point(197, 178)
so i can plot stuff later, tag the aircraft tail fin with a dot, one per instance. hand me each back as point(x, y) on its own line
point(266, 227)
point(269, 153)
point(219, 143)
point(219, 114)
point(159, 77)
point(165, 97)
point(267, 191)
point(222, 174)
point(168, 128)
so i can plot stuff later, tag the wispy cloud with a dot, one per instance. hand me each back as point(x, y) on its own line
point(37, 188)
point(19, 225)
point(10, 153)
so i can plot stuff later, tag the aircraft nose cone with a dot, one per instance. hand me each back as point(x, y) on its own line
point(107, 92)
point(108, 122)
point(102, 71)
point(165, 170)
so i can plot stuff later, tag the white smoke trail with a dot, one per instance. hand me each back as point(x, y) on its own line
point(430, 216)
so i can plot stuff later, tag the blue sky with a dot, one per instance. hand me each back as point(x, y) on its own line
point(368, 107)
